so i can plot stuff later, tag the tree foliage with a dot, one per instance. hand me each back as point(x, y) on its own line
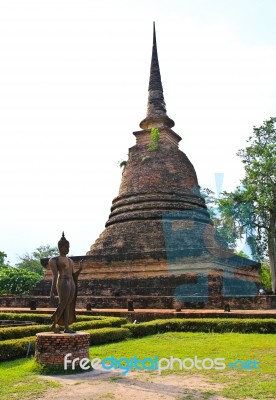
point(250, 210)
point(2, 258)
point(3, 264)
point(223, 225)
point(24, 275)
point(31, 262)
point(265, 276)
point(17, 281)
point(236, 220)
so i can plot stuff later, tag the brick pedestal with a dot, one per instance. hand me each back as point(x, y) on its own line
point(51, 348)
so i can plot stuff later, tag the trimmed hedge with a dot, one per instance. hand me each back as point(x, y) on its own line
point(107, 322)
point(90, 317)
point(107, 335)
point(17, 348)
point(46, 318)
point(218, 325)
point(18, 332)
point(30, 330)
point(21, 346)
point(39, 318)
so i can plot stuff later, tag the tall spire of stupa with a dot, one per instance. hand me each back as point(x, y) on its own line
point(156, 110)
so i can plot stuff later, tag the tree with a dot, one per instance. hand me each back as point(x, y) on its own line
point(235, 220)
point(17, 281)
point(265, 275)
point(2, 260)
point(250, 210)
point(25, 275)
point(31, 262)
point(223, 225)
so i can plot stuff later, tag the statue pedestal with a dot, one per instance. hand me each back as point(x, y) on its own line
point(51, 348)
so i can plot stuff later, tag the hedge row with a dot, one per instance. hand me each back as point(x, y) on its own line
point(19, 348)
point(218, 325)
point(30, 330)
point(107, 335)
point(39, 318)
point(44, 318)
point(91, 317)
point(106, 322)
point(18, 332)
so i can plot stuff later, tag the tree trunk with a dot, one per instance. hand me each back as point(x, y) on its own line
point(272, 249)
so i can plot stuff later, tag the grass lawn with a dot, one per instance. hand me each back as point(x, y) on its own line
point(259, 384)
point(19, 379)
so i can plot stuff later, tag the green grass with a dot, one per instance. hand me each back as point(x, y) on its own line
point(239, 384)
point(19, 380)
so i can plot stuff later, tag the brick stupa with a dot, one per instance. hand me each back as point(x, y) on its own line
point(159, 245)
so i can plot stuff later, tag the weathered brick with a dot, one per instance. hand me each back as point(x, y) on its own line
point(51, 348)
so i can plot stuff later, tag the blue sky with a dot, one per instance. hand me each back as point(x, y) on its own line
point(74, 77)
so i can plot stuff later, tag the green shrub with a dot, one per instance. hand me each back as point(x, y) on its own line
point(17, 332)
point(107, 335)
point(46, 318)
point(265, 275)
point(17, 348)
point(17, 281)
point(39, 318)
point(94, 324)
point(90, 317)
point(155, 137)
point(218, 325)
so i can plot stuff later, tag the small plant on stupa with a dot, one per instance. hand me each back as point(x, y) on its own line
point(122, 163)
point(154, 136)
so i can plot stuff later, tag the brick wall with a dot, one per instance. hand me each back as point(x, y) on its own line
point(51, 348)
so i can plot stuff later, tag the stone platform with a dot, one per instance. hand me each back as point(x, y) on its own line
point(151, 314)
point(51, 348)
point(208, 289)
point(264, 302)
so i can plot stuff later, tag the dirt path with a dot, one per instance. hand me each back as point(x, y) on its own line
point(100, 385)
